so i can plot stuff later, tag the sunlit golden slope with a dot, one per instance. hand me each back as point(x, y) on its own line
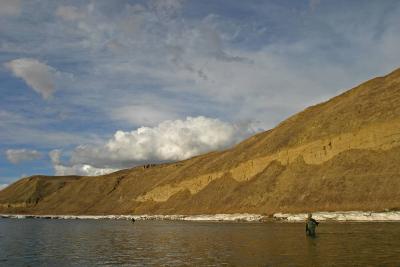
point(343, 154)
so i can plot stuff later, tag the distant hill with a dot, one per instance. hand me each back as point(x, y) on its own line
point(343, 154)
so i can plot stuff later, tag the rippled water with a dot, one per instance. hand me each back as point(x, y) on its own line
point(40, 242)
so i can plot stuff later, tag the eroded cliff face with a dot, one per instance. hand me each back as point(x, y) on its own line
point(380, 137)
point(343, 154)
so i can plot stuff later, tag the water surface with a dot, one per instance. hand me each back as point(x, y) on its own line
point(41, 242)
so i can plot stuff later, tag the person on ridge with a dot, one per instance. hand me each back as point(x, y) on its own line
point(310, 225)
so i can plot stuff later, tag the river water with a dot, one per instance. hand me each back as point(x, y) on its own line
point(41, 242)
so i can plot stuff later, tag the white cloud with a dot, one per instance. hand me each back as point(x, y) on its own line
point(15, 156)
point(168, 141)
point(55, 156)
point(2, 186)
point(10, 7)
point(77, 169)
point(81, 169)
point(36, 74)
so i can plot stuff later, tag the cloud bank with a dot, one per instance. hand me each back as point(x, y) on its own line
point(39, 76)
point(15, 156)
point(169, 141)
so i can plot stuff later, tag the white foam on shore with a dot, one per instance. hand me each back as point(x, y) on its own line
point(215, 217)
point(341, 216)
point(358, 216)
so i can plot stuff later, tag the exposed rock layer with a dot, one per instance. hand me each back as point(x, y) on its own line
point(342, 154)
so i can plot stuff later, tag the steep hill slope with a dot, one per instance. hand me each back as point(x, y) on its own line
point(342, 154)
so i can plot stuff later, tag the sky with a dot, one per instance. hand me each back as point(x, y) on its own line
point(90, 87)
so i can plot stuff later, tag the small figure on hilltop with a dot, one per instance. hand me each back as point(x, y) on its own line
point(147, 166)
point(311, 224)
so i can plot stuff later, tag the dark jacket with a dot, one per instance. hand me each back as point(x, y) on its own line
point(310, 226)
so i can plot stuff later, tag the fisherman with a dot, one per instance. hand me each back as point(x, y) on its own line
point(310, 225)
point(133, 220)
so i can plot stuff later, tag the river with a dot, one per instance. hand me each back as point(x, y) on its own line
point(41, 242)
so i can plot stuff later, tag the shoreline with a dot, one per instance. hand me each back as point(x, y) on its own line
point(339, 216)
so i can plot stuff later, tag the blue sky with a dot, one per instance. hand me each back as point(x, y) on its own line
point(89, 87)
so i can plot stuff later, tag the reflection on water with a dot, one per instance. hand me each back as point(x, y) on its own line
point(34, 242)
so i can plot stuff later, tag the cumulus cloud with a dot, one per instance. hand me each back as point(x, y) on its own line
point(77, 169)
point(15, 156)
point(10, 7)
point(168, 141)
point(55, 156)
point(36, 74)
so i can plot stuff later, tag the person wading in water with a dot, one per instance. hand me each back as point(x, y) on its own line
point(311, 224)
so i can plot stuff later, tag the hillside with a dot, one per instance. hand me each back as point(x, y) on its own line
point(343, 154)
